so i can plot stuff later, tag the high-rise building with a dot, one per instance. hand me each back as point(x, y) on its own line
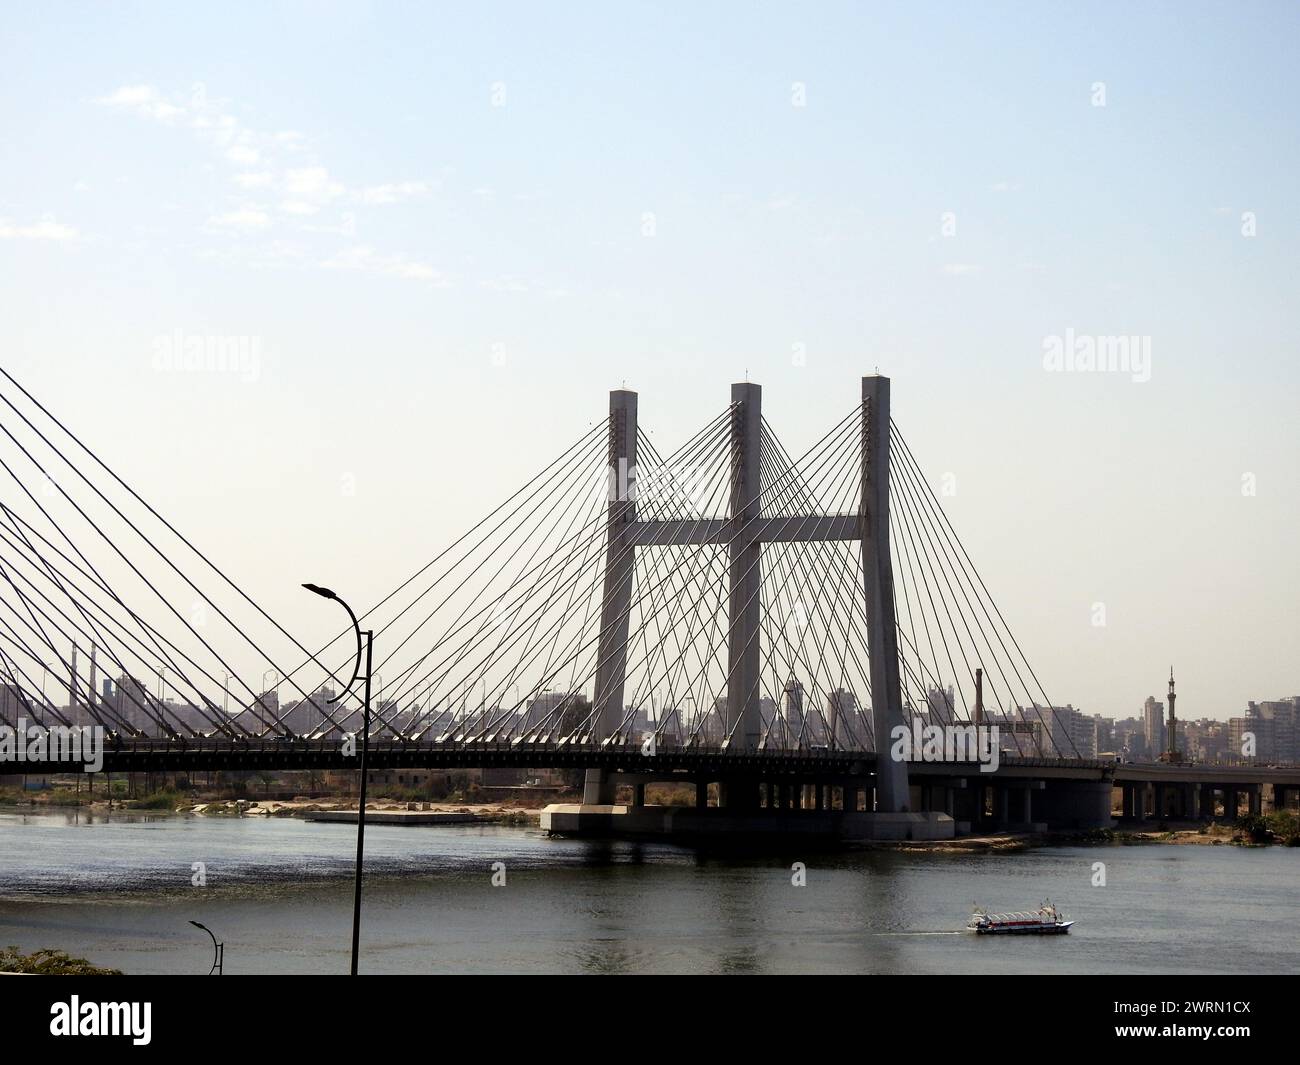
point(794, 716)
point(844, 721)
point(1066, 732)
point(1103, 734)
point(1282, 714)
point(940, 705)
point(1153, 717)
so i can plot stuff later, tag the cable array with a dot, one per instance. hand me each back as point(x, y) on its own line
point(498, 636)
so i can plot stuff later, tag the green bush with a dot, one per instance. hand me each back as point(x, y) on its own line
point(161, 800)
point(1255, 828)
point(49, 963)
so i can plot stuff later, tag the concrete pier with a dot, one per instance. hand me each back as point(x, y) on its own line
point(582, 819)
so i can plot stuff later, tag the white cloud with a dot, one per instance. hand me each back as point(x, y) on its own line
point(312, 182)
point(45, 229)
point(505, 284)
point(1006, 186)
point(368, 260)
point(263, 166)
point(243, 218)
point(960, 269)
point(143, 99)
point(404, 190)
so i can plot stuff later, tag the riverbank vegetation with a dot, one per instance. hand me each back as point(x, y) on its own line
point(1281, 828)
point(49, 963)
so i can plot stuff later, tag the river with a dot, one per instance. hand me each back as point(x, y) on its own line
point(117, 889)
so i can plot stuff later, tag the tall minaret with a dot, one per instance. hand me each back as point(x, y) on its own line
point(1173, 720)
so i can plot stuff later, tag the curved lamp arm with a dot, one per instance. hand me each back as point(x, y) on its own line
point(326, 593)
point(216, 950)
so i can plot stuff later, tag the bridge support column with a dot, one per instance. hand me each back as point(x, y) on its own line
point(1206, 811)
point(1255, 799)
point(616, 600)
point(878, 587)
point(744, 715)
point(1004, 806)
point(1231, 803)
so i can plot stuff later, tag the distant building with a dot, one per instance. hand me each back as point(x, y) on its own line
point(940, 705)
point(844, 720)
point(1204, 740)
point(1282, 715)
point(793, 719)
point(1103, 734)
point(1065, 732)
point(1153, 717)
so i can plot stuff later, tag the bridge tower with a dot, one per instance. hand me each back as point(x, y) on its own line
point(620, 572)
point(878, 586)
point(744, 715)
point(745, 531)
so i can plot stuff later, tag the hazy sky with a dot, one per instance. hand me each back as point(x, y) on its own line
point(450, 230)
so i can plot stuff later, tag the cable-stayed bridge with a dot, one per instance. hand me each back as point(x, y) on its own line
point(725, 613)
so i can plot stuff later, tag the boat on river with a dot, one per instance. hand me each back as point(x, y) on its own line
point(1047, 920)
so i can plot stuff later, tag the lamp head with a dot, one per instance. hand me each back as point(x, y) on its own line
point(325, 593)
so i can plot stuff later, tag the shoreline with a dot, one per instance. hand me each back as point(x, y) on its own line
point(428, 813)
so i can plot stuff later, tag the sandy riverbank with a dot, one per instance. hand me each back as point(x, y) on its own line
point(484, 811)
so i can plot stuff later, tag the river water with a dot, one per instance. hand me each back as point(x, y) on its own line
point(118, 890)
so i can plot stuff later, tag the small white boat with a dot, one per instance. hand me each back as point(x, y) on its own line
point(1045, 921)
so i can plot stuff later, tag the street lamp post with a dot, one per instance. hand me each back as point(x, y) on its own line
point(369, 634)
point(218, 950)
